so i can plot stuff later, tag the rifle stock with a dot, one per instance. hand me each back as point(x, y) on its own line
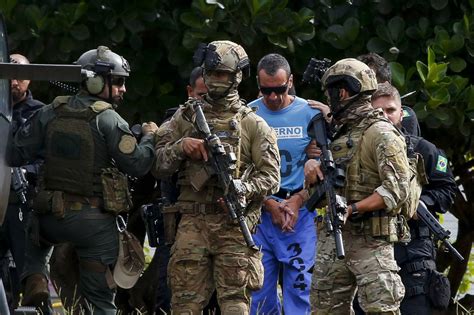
point(222, 164)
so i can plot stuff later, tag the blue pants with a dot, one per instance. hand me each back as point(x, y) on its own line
point(294, 252)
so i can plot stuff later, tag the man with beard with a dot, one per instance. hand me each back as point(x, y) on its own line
point(12, 233)
point(86, 146)
point(209, 249)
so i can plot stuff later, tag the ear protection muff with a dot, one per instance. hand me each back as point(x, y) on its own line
point(95, 85)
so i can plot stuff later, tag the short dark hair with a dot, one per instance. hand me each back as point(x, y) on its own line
point(271, 63)
point(388, 90)
point(379, 65)
point(196, 73)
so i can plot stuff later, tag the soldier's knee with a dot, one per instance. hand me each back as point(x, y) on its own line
point(234, 308)
point(186, 309)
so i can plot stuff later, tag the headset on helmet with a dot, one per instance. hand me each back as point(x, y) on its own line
point(224, 56)
point(102, 62)
point(358, 76)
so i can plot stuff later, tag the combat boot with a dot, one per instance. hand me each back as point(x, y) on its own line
point(36, 291)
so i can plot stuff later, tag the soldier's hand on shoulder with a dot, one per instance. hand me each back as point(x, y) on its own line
point(322, 107)
point(149, 127)
point(194, 148)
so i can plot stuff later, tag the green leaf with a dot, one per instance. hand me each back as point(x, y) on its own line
point(190, 19)
point(422, 70)
point(383, 32)
point(66, 44)
point(396, 26)
point(457, 64)
point(431, 56)
point(437, 72)
point(351, 28)
point(424, 25)
point(278, 40)
point(377, 45)
point(335, 36)
point(118, 34)
point(441, 114)
point(398, 74)
point(256, 6)
point(439, 4)
point(80, 32)
point(439, 96)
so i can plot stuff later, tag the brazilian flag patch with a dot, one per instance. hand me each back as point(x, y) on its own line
point(406, 113)
point(442, 164)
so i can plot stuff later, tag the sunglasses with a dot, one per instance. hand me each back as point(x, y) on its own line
point(118, 81)
point(267, 90)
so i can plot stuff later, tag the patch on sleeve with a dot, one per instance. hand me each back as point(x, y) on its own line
point(127, 144)
point(442, 164)
point(406, 113)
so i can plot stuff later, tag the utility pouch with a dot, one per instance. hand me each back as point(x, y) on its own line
point(375, 228)
point(42, 203)
point(200, 179)
point(439, 290)
point(255, 270)
point(117, 198)
point(403, 230)
point(170, 222)
point(57, 204)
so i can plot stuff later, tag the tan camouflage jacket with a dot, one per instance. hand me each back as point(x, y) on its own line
point(258, 147)
point(383, 165)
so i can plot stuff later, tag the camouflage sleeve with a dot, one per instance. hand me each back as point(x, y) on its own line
point(131, 157)
point(264, 180)
point(27, 143)
point(389, 149)
point(168, 147)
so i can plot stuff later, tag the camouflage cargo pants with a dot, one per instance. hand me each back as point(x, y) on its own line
point(210, 252)
point(369, 267)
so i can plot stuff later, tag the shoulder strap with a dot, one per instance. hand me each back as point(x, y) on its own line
point(100, 106)
point(60, 101)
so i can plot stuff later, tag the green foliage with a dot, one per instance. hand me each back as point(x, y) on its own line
point(430, 45)
point(468, 278)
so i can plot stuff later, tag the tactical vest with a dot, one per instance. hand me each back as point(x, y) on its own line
point(69, 157)
point(360, 182)
point(196, 175)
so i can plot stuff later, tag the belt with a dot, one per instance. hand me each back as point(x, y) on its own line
point(418, 265)
point(285, 193)
point(95, 202)
point(199, 208)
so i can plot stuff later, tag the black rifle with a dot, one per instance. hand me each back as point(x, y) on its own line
point(20, 186)
point(222, 165)
point(153, 217)
point(315, 70)
point(438, 231)
point(333, 178)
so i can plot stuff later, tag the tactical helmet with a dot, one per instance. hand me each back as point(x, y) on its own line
point(355, 73)
point(222, 55)
point(103, 61)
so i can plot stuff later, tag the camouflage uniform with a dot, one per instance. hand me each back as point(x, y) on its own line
point(373, 153)
point(209, 251)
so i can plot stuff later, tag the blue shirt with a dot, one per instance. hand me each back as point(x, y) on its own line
point(290, 125)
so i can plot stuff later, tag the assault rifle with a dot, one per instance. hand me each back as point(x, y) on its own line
point(20, 186)
point(333, 178)
point(438, 231)
point(222, 164)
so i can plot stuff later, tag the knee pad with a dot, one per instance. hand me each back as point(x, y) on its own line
point(236, 308)
point(186, 309)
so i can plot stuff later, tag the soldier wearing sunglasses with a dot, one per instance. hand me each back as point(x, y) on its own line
point(286, 234)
